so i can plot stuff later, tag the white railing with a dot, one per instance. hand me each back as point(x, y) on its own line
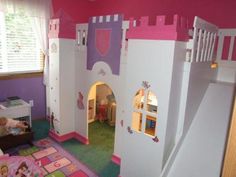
point(203, 42)
point(223, 47)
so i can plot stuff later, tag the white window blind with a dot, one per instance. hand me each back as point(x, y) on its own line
point(19, 46)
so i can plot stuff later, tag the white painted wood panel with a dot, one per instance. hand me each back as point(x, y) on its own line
point(62, 84)
point(203, 149)
point(160, 60)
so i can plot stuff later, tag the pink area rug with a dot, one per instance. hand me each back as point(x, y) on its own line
point(52, 160)
point(19, 166)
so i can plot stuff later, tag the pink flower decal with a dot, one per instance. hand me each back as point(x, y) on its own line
point(122, 123)
point(145, 84)
point(80, 103)
point(155, 139)
point(129, 130)
point(102, 72)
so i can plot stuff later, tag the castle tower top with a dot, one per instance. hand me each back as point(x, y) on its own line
point(178, 30)
point(62, 26)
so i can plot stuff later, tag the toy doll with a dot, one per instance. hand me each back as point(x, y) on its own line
point(11, 123)
point(12, 126)
point(4, 170)
point(22, 170)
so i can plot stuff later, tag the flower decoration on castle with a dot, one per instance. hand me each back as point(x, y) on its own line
point(80, 103)
point(53, 48)
point(145, 84)
point(155, 139)
point(122, 123)
point(129, 130)
point(101, 72)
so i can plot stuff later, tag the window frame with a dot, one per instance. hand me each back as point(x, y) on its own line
point(144, 113)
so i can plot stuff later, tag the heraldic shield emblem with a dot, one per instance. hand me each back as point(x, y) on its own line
point(103, 40)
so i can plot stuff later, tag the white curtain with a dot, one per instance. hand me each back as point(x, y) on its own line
point(41, 10)
point(41, 27)
point(34, 8)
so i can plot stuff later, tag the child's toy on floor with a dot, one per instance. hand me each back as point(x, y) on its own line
point(11, 126)
point(8, 122)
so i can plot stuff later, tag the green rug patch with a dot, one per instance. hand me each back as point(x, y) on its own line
point(56, 174)
point(28, 151)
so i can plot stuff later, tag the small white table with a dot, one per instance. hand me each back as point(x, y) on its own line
point(16, 111)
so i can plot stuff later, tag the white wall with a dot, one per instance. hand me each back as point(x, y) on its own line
point(202, 152)
point(226, 71)
point(80, 81)
point(62, 84)
point(54, 95)
point(67, 85)
point(151, 61)
point(196, 78)
point(175, 97)
point(200, 75)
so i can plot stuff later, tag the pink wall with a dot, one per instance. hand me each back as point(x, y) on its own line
point(220, 12)
point(77, 9)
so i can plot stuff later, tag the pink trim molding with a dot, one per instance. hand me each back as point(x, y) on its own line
point(116, 159)
point(62, 138)
point(177, 31)
point(81, 138)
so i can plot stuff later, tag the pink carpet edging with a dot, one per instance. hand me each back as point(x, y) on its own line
point(116, 159)
point(62, 138)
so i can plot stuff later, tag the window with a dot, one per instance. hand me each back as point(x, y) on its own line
point(19, 46)
point(81, 37)
point(144, 117)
